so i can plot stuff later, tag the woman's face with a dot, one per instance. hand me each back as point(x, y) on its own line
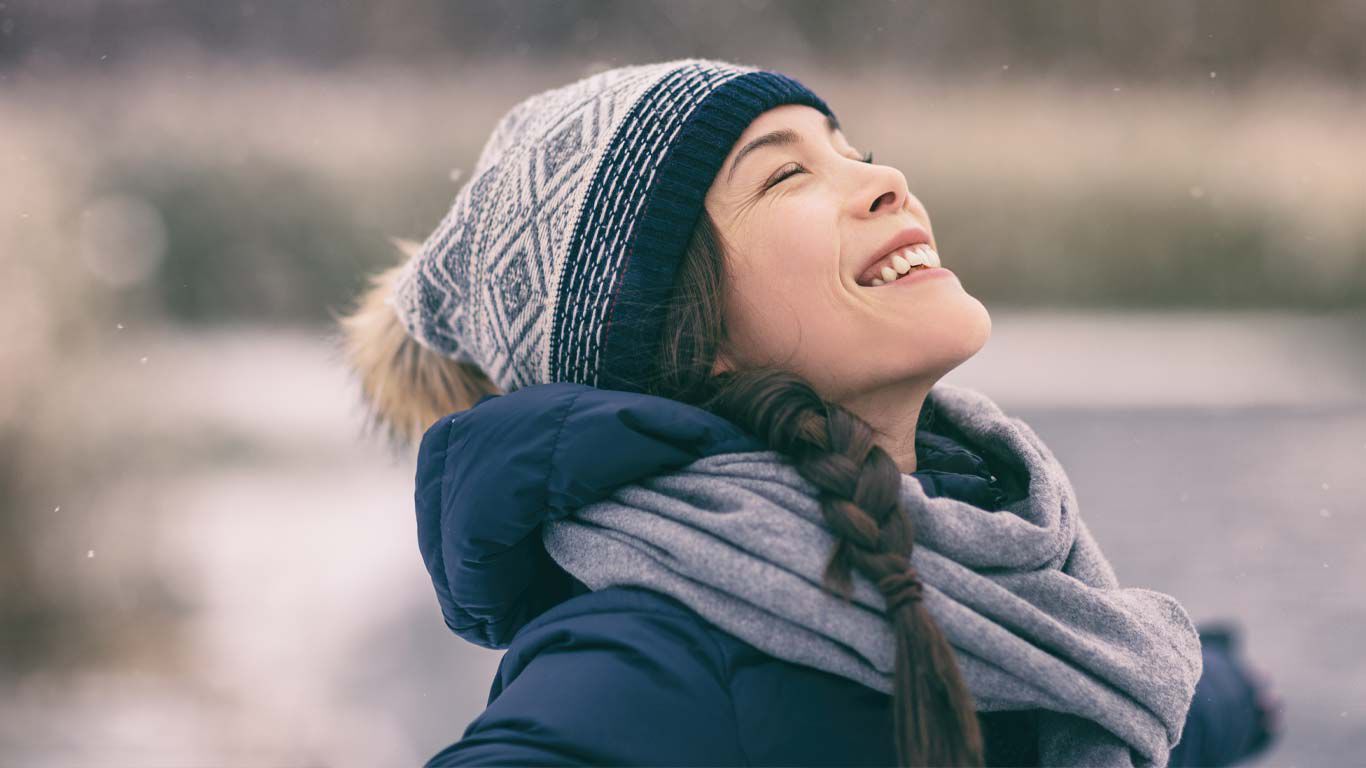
point(801, 222)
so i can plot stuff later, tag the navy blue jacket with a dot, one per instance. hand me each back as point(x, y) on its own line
point(626, 675)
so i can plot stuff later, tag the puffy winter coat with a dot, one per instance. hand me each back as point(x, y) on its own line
point(628, 676)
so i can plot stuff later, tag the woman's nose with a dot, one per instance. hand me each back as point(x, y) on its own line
point(886, 199)
point(888, 190)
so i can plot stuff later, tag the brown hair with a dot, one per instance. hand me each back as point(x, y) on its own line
point(934, 717)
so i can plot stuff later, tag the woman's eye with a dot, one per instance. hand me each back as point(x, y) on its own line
point(795, 168)
point(780, 175)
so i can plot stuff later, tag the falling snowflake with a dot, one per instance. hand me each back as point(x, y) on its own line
point(89, 553)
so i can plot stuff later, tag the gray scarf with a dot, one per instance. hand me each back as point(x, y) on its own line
point(1024, 595)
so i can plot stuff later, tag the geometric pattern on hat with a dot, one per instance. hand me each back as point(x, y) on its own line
point(556, 256)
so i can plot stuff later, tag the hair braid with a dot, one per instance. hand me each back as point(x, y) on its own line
point(934, 717)
point(860, 489)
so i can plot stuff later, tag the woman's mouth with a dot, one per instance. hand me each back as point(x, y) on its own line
point(916, 258)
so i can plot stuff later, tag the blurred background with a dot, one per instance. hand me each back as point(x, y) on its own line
point(204, 559)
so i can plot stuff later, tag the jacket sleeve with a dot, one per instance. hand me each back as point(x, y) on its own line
point(1220, 725)
point(617, 686)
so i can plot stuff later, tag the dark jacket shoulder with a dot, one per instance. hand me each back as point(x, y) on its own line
point(628, 676)
point(621, 675)
point(487, 477)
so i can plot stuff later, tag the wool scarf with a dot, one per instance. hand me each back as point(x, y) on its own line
point(1025, 596)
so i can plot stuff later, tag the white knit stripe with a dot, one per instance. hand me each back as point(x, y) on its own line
point(607, 257)
point(593, 227)
point(616, 252)
point(620, 107)
point(604, 256)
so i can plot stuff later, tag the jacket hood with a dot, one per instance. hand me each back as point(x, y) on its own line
point(488, 476)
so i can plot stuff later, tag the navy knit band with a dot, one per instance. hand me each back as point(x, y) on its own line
point(635, 310)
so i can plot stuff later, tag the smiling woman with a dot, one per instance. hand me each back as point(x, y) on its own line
point(802, 221)
point(695, 471)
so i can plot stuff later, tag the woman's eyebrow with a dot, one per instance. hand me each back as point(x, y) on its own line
point(777, 138)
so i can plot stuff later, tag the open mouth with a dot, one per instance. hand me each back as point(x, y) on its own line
point(899, 264)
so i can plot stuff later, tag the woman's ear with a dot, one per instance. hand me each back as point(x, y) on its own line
point(722, 364)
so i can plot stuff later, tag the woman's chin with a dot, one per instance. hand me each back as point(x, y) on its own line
point(985, 323)
point(964, 326)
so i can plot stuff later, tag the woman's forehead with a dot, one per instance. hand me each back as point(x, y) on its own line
point(799, 117)
point(786, 125)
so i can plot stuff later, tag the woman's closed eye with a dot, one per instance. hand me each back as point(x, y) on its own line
point(794, 168)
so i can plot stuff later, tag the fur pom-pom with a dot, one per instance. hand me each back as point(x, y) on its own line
point(406, 386)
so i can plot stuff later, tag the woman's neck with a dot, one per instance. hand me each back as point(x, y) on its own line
point(895, 412)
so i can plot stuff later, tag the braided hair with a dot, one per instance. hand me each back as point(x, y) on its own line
point(934, 717)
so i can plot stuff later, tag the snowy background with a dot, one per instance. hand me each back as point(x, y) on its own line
point(203, 559)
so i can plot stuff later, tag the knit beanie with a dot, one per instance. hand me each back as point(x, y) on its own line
point(556, 259)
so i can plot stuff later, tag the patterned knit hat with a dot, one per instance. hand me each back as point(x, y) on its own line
point(557, 256)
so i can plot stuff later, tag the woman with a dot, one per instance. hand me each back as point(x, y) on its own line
point(674, 356)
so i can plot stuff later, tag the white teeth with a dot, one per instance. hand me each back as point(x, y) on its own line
point(915, 257)
point(903, 260)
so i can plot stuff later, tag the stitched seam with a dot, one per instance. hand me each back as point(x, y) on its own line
point(440, 550)
point(730, 697)
point(555, 446)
